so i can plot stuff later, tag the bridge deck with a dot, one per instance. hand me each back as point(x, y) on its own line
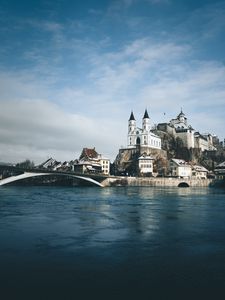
point(93, 178)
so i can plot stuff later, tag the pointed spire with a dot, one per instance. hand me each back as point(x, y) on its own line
point(146, 114)
point(132, 117)
point(181, 113)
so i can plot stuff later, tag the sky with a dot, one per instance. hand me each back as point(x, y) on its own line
point(71, 72)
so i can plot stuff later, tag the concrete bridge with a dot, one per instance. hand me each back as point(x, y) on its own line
point(24, 174)
point(104, 180)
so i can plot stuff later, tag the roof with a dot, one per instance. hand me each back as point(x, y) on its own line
point(221, 165)
point(146, 157)
point(87, 163)
point(132, 117)
point(181, 114)
point(180, 162)
point(104, 158)
point(88, 153)
point(199, 168)
point(200, 136)
point(146, 115)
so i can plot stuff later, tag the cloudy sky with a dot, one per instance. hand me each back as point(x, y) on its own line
point(72, 71)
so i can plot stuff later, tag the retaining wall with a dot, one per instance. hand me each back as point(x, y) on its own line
point(152, 181)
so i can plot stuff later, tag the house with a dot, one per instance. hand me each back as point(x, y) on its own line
point(105, 163)
point(145, 165)
point(48, 163)
point(199, 172)
point(220, 171)
point(87, 167)
point(88, 154)
point(180, 168)
point(51, 164)
point(93, 162)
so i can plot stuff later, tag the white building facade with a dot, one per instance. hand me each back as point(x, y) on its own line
point(145, 164)
point(182, 130)
point(142, 136)
point(180, 168)
point(105, 163)
point(199, 172)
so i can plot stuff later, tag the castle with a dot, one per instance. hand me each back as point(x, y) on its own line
point(142, 137)
point(190, 138)
point(149, 148)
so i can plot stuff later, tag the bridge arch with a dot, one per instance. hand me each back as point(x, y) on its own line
point(30, 175)
point(183, 184)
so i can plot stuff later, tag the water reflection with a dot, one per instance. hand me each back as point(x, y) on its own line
point(144, 235)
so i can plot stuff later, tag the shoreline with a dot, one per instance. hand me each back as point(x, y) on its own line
point(156, 181)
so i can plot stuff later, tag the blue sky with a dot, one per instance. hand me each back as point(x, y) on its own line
point(71, 72)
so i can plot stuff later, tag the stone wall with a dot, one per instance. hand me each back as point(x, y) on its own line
point(155, 182)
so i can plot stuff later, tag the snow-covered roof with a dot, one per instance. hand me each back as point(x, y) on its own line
point(179, 162)
point(154, 135)
point(199, 168)
point(221, 165)
point(146, 157)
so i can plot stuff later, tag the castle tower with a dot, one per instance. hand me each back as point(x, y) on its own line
point(181, 117)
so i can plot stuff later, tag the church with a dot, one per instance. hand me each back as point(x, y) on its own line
point(142, 137)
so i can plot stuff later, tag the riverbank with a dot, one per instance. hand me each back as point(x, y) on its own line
point(156, 181)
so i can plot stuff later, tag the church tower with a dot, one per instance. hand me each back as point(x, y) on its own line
point(131, 130)
point(146, 122)
point(142, 137)
point(131, 124)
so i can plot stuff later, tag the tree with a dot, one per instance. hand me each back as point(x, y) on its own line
point(26, 164)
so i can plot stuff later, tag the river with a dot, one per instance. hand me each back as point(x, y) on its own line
point(112, 243)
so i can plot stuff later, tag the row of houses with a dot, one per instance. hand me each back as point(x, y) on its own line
point(181, 168)
point(90, 161)
point(177, 168)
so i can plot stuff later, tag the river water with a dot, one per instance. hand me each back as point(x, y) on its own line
point(112, 243)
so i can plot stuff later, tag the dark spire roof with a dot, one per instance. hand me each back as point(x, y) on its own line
point(181, 114)
point(146, 115)
point(132, 117)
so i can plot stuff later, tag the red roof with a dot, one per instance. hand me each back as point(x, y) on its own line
point(88, 153)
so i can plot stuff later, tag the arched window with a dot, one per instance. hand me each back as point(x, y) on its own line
point(138, 141)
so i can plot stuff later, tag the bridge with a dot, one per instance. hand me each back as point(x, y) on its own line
point(31, 173)
point(101, 179)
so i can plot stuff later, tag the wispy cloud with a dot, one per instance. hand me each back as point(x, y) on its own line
point(160, 76)
point(74, 83)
